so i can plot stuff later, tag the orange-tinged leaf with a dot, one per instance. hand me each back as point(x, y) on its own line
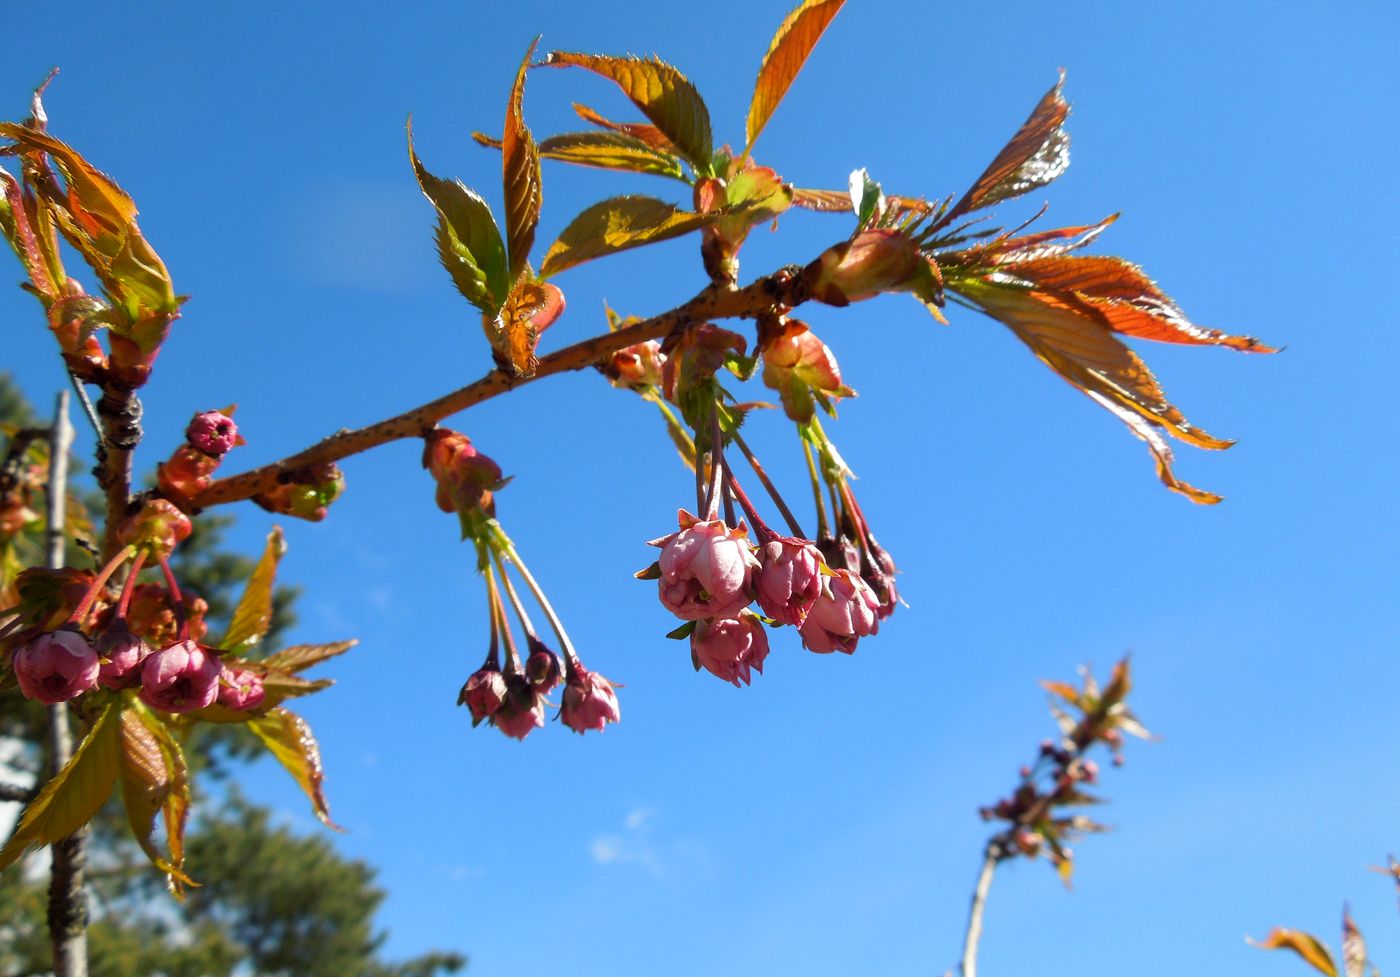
point(1044, 244)
point(618, 224)
point(1129, 301)
point(1307, 946)
point(97, 203)
point(1036, 155)
point(289, 739)
point(1062, 689)
point(154, 780)
point(823, 201)
point(786, 55)
point(605, 150)
point(514, 333)
point(71, 798)
point(663, 94)
point(520, 162)
point(253, 615)
point(298, 658)
point(648, 134)
point(1070, 339)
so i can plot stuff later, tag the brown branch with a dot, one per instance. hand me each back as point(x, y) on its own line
point(785, 288)
point(120, 413)
point(15, 793)
point(992, 857)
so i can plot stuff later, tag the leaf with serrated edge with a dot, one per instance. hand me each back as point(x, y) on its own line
point(604, 150)
point(253, 615)
point(1035, 156)
point(71, 798)
point(618, 224)
point(663, 94)
point(786, 55)
point(289, 739)
point(520, 164)
point(1129, 301)
point(648, 134)
point(298, 658)
point(153, 778)
point(1307, 946)
point(469, 243)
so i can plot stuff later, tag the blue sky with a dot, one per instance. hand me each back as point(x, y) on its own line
point(822, 822)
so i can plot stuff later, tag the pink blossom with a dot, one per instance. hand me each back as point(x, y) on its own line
point(55, 667)
point(522, 711)
point(543, 669)
point(589, 701)
point(124, 652)
point(465, 477)
point(796, 363)
point(240, 689)
point(789, 579)
point(846, 611)
point(730, 647)
point(706, 569)
point(637, 365)
point(212, 432)
point(484, 692)
point(181, 678)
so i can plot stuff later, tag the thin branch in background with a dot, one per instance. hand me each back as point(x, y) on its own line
point(86, 403)
point(1036, 822)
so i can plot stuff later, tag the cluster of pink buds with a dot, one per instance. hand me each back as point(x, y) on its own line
point(510, 690)
point(151, 647)
point(209, 436)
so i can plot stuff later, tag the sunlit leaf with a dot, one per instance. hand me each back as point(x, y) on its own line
point(641, 131)
point(786, 55)
point(1307, 946)
point(663, 94)
point(298, 658)
point(1036, 155)
point(618, 224)
point(1076, 344)
point(514, 333)
point(289, 739)
point(71, 798)
point(154, 780)
point(253, 615)
point(520, 161)
point(1064, 690)
point(1043, 244)
point(604, 150)
point(1127, 300)
point(867, 199)
point(469, 243)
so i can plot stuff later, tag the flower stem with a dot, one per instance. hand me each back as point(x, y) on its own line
point(773, 493)
point(816, 489)
point(508, 552)
point(129, 587)
point(103, 575)
point(530, 637)
point(177, 601)
point(498, 616)
point(493, 651)
point(712, 497)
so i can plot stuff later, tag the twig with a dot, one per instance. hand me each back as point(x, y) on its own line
point(120, 413)
point(86, 403)
point(67, 915)
point(14, 792)
point(991, 858)
point(785, 289)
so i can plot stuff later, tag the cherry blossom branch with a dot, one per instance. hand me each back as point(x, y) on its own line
point(785, 288)
point(119, 410)
point(992, 857)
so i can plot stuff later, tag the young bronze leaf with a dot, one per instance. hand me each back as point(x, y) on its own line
point(787, 54)
point(1307, 946)
point(618, 224)
point(823, 201)
point(71, 798)
point(298, 658)
point(1035, 156)
point(663, 94)
point(253, 614)
point(1129, 301)
point(1162, 454)
point(289, 739)
point(1044, 244)
point(520, 161)
point(648, 134)
point(154, 780)
point(469, 243)
point(605, 150)
point(514, 333)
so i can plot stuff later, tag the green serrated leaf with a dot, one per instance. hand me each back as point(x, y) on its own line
point(253, 614)
point(288, 738)
point(154, 780)
point(618, 224)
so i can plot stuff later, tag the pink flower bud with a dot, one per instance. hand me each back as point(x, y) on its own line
point(543, 669)
point(522, 711)
point(55, 667)
point(212, 432)
point(637, 365)
point(589, 701)
point(158, 528)
point(240, 689)
point(706, 569)
point(181, 678)
point(188, 472)
point(789, 579)
point(846, 611)
point(796, 363)
point(874, 261)
point(730, 647)
point(464, 475)
point(124, 653)
point(484, 692)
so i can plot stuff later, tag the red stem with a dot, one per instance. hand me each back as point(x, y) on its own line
point(129, 587)
point(103, 575)
point(177, 601)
